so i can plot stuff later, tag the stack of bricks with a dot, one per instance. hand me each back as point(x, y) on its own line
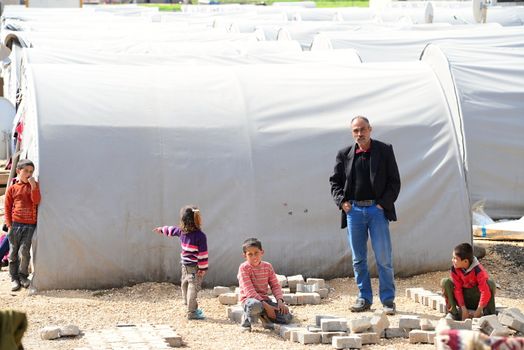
point(296, 291)
point(418, 330)
point(425, 297)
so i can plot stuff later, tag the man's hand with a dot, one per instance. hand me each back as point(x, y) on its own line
point(346, 206)
point(201, 273)
point(479, 312)
point(282, 307)
point(270, 310)
point(380, 207)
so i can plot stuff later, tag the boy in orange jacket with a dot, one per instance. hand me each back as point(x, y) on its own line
point(21, 203)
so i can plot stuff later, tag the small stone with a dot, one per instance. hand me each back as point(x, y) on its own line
point(220, 290)
point(50, 333)
point(69, 331)
point(228, 298)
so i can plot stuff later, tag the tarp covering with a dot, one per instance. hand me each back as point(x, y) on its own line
point(489, 83)
point(252, 145)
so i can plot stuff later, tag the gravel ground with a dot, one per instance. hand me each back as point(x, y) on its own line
point(160, 303)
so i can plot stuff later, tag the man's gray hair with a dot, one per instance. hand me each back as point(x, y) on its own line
point(360, 117)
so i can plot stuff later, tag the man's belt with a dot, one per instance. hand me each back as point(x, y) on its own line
point(364, 203)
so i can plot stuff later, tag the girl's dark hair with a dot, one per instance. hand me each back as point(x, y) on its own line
point(190, 219)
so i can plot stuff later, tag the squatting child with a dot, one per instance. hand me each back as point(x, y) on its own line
point(254, 276)
point(20, 205)
point(469, 287)
point(194, 256)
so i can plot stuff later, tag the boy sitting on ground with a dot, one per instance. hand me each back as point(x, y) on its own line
point(469, 287)
point(254, 276)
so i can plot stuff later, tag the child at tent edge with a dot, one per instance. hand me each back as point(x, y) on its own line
point(469, 287)
point(20, 207)
point(194, 257)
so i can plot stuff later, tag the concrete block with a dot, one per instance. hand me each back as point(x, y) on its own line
point(359, 325)
point(513, 318)
point(282, 280)
point(491, 326)
point(320, 282)
point(234, 313)
point(427, 325)
point(334, 325)
point(293, 334)
point(286, 290)
point(292, 282)
point(285, 330)
point(69, 331)
point(369, 338)
point(290, 299)
point(319, 318)
point(308, 298)
point(409, 322)
point(307, 288)
point(314, 328)
point(379, 322)
point(50, 332)
point(442, 307)
point(396, 333)
point(410, 292)
point(175, 341)
point(228, 298)
point(306, 337)
point(418, 336)
point(436, 300)
point(327, 337)
point(220, 290)
point(323, 292)
point(431, 337)
point(459, 324)
point(347, 342)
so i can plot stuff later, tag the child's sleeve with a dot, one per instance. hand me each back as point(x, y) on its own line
point(246, 284)
point(8, 207)
point(457, 291)
point(202, 254)
point(170, 231)
point(35, 194)
point(273, 283)
point(485, 292)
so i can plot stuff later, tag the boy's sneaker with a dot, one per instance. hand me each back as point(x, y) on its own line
point(196, 315)
point(15, 285)
point(266, 322)
point(245, 329)
point(25, 282)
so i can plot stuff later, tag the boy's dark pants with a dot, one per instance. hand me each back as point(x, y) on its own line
point(253, 309)
point(471, 297)
point(20, 236)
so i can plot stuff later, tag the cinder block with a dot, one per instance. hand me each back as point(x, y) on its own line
point(312, 328)
point(234, 313)
point(50, 333)
point(409, 322)
point(282, 280)
point(369, 338)
point(327, 337)
point(513, 318)
point(308, 298)
point(292, 282)
point(220, 290)
point(396, 333)
point(285, 330)
point(290, 299)
point(418, 336)
point(228, 298)
point(319, 318)
point(379, 322)
point(431, 337)
point(347, 342)
point(306, 337)
point(458, 324)
point(442, 307)
point(69, 331)
point(307, 288)
point(427, 325)
point(436, 301)
point(491, 326)
point(286, 291)
point(320, 282)
point(174, 341)
point(323, 292)
point(359, 325)
point(334, 325)
point(293, 334)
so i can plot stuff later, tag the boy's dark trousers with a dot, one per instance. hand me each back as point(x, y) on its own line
point(471, 297)
point(253, 309)
point(20, 236)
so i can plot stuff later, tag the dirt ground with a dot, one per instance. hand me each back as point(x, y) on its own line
point(160, 303)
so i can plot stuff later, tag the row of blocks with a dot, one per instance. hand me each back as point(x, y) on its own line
point(290, 299)
point(425, 297)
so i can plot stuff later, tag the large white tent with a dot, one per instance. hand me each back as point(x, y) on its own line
point(489, 85)
point(252, 145)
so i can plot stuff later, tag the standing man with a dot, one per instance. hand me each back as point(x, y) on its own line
point(365, 185)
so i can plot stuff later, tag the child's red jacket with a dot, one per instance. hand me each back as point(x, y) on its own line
point(475, 275)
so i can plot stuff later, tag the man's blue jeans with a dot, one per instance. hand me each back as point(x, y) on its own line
point(361, 222)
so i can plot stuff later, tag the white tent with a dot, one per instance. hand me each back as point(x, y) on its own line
point(120, 148)
point(489, 84)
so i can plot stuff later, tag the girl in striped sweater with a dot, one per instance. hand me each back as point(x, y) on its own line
point(193, 256)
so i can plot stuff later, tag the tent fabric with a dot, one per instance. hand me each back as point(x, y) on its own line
point(489, 83)
point(120, 157)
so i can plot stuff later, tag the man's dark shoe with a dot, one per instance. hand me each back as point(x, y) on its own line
point(361, 305)
point(15, 285)
point(389, 308)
